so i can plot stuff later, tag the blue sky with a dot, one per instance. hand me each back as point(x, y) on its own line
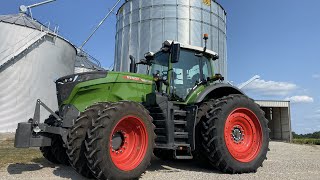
point(277, 40)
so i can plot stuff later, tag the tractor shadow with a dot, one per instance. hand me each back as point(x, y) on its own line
point(40, 165)
point(172, 166)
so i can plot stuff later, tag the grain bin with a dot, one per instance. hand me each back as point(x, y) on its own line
point(32, 57)
point(143, 25)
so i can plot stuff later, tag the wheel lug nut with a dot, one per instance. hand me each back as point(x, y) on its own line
point(117, 152)
point(120, 151)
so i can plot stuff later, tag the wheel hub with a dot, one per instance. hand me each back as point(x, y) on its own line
point(117, 140)
point(237, 134)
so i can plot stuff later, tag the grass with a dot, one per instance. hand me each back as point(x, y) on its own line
point(307, 141)
point(11, 155)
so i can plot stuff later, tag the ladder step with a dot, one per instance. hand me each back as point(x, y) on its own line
point(182, 135)
point(176, 144)
point(180, 122)
point(180, 113)
point(184, 157)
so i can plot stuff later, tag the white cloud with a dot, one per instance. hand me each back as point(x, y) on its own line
point(300, 99)
point(316, 76)
point(271, 88)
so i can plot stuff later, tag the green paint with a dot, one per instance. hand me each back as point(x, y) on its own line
point(191, 98)
point(115, 87)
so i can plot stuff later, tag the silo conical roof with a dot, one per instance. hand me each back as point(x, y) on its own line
point(84, 60)
point(21, 19)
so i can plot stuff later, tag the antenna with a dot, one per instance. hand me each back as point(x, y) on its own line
point(249, 81)
point(24, 9)
point(94, 31)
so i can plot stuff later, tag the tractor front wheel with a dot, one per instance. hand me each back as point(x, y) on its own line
point(120, 142)
point(234, 134)
point(77, 135)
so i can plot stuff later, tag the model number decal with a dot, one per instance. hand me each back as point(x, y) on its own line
point(137, 79)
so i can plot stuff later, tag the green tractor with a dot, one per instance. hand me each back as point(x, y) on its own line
point(110, 124)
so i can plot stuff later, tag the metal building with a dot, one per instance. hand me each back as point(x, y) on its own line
point(143, 25)
point(32, 57)
point(278, 114)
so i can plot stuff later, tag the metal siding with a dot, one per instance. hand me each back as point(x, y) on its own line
point(31, 76)
point(159, 20)
point(273, 103)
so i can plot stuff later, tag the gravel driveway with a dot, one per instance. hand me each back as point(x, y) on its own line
point(285, 161)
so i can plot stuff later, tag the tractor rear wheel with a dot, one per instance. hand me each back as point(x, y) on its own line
point(120, 142)
point(234, 134)
point(77, 135)
point(201, 114)
point(56, 153)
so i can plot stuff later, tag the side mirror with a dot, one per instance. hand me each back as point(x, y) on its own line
point(144, 62)
point(175, 53)
point(149, 56)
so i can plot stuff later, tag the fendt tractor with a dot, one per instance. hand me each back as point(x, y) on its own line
point(110, 124)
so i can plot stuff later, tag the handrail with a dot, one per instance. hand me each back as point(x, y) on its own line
point(22, 48)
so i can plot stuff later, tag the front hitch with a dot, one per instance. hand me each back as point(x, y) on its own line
point(36, 134)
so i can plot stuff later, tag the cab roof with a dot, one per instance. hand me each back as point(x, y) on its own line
point(197, 48)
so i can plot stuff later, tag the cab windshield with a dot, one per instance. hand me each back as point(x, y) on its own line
point(186, 74)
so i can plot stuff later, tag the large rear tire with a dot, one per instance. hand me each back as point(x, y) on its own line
point(77, 135)
point(234, 134)
point(120, 142)
point(201, 114)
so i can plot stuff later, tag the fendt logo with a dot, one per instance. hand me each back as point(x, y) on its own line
point(137, 79)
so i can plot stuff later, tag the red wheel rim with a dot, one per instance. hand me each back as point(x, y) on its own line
point(128, 143)
point(243, 135)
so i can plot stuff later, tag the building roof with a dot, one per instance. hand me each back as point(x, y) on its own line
point(285, 104)
point(22, 19)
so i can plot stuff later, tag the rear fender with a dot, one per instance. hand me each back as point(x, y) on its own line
point(216, 91)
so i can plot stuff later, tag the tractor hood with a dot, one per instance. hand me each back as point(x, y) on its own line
point(66, 84)
point(84, 89)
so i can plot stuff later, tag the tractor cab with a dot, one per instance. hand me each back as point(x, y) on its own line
point(178, 69)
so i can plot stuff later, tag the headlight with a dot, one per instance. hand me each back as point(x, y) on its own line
point(81, 77)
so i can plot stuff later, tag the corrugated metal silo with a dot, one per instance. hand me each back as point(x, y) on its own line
point(143, 25)
point(31, 59)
